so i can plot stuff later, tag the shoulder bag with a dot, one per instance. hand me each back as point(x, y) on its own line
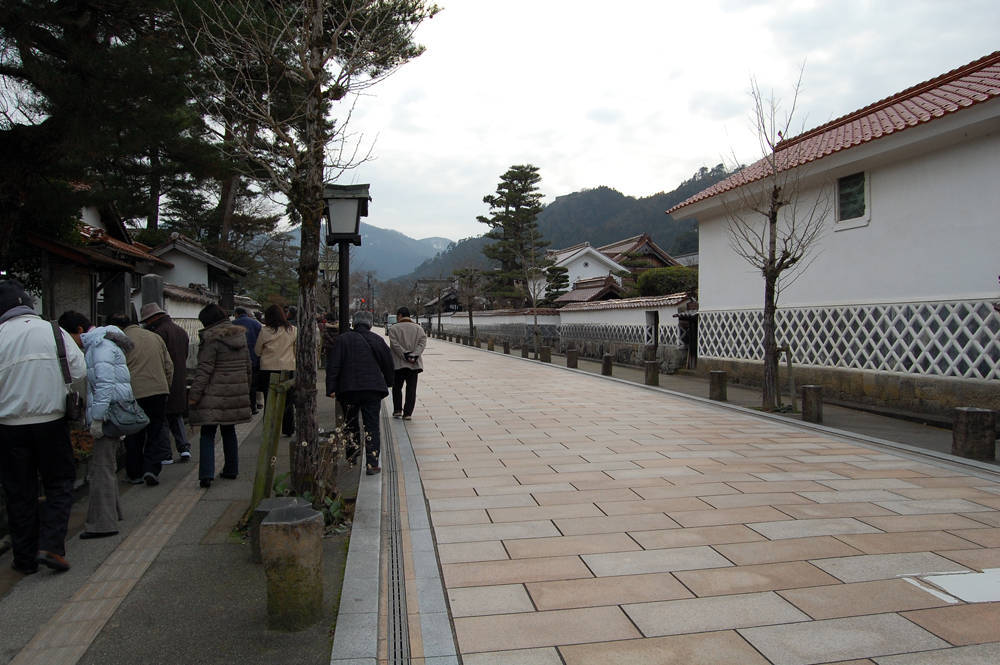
point(74, 402)
point(124, 417)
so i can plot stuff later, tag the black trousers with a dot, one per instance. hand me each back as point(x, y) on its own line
point(406, 376)
point(27, 451)
point(146, 449)
point(368, 405)
point(254, 382)
point(288, 417)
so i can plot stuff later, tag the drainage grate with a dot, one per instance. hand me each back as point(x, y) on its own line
point(398, 643)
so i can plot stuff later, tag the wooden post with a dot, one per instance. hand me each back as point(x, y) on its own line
point(606, 365)
point(489, 344)
point(572, 358)
point(717, 386)
point(506, 348)
point(277, 391)
point(524, 350)
point(546, 352)
point(652, 372)
point(812, 404)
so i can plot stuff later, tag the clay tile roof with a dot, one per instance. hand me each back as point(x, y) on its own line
point(616, 251)
point(960, 88)
point(175, 292)
point(95, 236)
point(557, 254)
point(630, 303)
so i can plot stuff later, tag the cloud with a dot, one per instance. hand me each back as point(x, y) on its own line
point(604, 116)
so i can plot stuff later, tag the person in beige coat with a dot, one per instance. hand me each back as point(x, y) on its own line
point(152, 370)
point(407, 341)
point(276, 348)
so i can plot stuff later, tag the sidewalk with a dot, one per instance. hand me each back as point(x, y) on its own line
point(175, 587)
point(584, 521)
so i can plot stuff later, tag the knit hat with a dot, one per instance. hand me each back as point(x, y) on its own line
point(12, 294)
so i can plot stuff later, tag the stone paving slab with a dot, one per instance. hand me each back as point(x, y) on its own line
point(579, 520)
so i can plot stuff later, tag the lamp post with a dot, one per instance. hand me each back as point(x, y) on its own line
point(345, 206)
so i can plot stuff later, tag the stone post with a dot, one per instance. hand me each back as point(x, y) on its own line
point(291, 545)
point(606, 365)
point(572, 358)
point(717, 386)
point(812, 404)
point(524, 350)
point(545, 354)
point(652, 372)
point(478, 343)
point(506, 348)
point(262, 510)
point(974, 433)
point(649, 352)
point(152, 289)
point(489, 345)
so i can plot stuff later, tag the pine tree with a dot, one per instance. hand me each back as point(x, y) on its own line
point(557, 284)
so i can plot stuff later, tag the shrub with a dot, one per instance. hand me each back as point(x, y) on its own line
point(665, 281)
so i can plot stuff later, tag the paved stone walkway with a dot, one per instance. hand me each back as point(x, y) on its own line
point(583, 521)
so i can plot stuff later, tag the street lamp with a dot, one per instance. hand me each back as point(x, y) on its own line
point(345, 206)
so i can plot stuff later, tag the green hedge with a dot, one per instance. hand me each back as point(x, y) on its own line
point(665, 281)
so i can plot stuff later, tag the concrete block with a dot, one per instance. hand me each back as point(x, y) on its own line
point(717, 385)
point(812, 404)
point(652, 372)
point(545, 354)
point(262, 510)
point(606, 364)
point(291, 545)
point(974, 433)
point(572, 358)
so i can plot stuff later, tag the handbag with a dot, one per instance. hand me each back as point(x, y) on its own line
point(124, 417)
point(74, 402)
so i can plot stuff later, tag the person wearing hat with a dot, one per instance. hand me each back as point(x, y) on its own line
point(34, 432)
point(155, 320)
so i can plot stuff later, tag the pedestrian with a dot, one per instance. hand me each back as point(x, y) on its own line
point(108, 380)
point(253, 331)
point(293, 316)
point(152, 373)
point(34, 431)
point(220, 393)
point(276, 348)
point(331, 330)
point(359, 375)
point(178, 346)
point(407, 341)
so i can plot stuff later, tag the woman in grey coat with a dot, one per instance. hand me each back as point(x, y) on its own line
point(220, 394)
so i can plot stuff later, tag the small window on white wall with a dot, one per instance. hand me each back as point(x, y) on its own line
point(853, 205)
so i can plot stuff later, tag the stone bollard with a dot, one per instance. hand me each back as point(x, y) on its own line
point(506, 348)
point(717, 386)
point(974, 433)
point(262, 510)
point(812, 404)
point(572, 358)
point(489, 345)
point(291, 544)
point(652, 372)
point(478, 343)
point(545, 354)
point(524, 350)
point(606, 365)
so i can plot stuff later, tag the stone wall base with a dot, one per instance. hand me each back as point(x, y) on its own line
point(907, 392)
point(671, 357)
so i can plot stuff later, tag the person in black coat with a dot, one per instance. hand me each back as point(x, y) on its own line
point(359, 374)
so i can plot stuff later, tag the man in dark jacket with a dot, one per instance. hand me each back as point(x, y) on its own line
point(178, 345)
point(359, 374)
point(252, 327)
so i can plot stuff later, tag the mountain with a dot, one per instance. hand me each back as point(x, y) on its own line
point(389, 253)
point(599, 216)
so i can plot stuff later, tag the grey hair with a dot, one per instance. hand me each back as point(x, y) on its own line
point(240, 311)
point(363, 319)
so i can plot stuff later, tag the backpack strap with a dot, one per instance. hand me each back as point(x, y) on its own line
point(61, 346)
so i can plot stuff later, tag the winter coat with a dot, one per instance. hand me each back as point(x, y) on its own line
point(178, 346)
point(331, 331)
point(149, 363)
point(405, 336)
point(276, 348)
point(221, 387)
point(32, 389)
point(252, 327)
point(360, 361)
point(108, 378)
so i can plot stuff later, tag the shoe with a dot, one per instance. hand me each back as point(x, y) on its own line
point(185, 456)
point(24, 570)
point(397, 414)
point(133, 481)
point(151, 479)
point(87, 535)
point(205, 482)
point(53, 561)
point(372, 470)
point(407, 418)
point(167, 461)
point(228, 476)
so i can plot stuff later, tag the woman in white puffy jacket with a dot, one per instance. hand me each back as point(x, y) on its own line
point(107, 380)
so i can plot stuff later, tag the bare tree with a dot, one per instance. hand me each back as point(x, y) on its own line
point(774, 223)
point(281, 72)
point(532, 263)
point(469, 282)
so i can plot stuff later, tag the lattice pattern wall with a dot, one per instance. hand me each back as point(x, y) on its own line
point(958, 339)
point(599, 333)
point(607, 333)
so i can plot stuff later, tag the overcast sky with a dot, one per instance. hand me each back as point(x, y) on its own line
point(632, 94)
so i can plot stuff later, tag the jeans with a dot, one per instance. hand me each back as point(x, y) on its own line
point(175, 421)
point(409, 377)
point(146, 449)
point(368, 405)
point(27, 451)
point(230, 449)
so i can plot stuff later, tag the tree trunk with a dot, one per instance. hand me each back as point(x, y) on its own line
point(769, 393)
point(228, 203)
point(153, 217)
point(471, 333)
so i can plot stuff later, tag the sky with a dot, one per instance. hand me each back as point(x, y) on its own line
point(633, 94)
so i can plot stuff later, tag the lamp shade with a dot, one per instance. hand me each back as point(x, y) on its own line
point(345, 206)
point(342, 216)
